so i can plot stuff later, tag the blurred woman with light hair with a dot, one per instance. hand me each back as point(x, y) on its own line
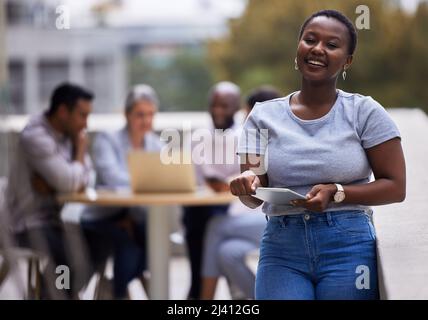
point(121, 232)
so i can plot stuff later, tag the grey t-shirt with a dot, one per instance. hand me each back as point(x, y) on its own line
point(302, 153)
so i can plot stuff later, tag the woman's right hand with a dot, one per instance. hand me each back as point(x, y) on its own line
point(245, 184)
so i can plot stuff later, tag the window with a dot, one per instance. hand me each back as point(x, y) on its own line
point(51, 74)
point(16, 87)
point(98, 80)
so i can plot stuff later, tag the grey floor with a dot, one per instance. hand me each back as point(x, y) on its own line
point(402, 237)
point(179, 283)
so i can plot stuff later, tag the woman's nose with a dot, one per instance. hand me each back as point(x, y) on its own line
point(318, 48)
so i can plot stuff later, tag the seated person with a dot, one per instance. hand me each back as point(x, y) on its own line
point(230, 238)
point(223, 103)
point(122, 231)
point(51, 157)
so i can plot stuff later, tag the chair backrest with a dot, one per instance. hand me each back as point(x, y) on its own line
point(4, 214)
point(3, 185)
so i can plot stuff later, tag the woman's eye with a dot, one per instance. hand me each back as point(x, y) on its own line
point(332, 45)
point(309, 40)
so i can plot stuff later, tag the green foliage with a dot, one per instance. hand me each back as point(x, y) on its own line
point(391, 61)
point(182, 80)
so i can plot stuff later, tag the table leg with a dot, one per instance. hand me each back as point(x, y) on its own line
point(159, 252)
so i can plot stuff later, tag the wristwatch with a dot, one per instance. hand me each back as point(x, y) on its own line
point(339, 196)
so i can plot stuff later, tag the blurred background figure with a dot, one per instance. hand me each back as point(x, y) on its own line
point(122, 231)
point(51, 157)
point(230, 238)
point(223, 103)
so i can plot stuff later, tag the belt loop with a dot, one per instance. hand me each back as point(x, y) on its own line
point(266, 217)
point(329, 220)
point(370, 215)
point(283, 218)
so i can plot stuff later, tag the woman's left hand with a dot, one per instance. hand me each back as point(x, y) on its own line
point(318, 198)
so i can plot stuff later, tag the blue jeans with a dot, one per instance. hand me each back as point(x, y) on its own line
point(105, 237)
point(323, 256)
point(195, 220)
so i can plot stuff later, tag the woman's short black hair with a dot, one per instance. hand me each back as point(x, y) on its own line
point(339, 17)
point(262, 94)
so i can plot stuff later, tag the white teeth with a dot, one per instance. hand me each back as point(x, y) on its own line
point(318, 63)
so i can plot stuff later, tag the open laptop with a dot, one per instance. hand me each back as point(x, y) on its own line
point(149, 175)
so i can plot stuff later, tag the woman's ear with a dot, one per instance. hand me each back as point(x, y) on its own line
point(63, 112)
point(348, 63)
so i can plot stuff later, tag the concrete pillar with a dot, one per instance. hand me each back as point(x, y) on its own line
point(3, 59)
point(119, 85)
point(77, 72)
point(31, 85)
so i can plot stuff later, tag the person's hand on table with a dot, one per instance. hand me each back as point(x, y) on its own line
point(318, 198)
point(245, 184)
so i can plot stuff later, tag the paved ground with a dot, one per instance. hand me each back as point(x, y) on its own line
point(402, 229)
point(179, 277)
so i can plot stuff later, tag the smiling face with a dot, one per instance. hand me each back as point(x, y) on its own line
point(323, 50)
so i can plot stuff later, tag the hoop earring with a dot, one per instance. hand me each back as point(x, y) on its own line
point(344, 75)
point(296, 67)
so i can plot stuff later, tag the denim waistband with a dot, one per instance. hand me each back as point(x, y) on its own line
point(326, 216)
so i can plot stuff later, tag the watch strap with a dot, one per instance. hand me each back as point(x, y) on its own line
point(339, 187)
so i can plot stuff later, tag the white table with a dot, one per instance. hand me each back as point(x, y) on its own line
point(158, 223)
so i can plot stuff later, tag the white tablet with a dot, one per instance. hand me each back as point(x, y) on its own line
point(281, 196)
